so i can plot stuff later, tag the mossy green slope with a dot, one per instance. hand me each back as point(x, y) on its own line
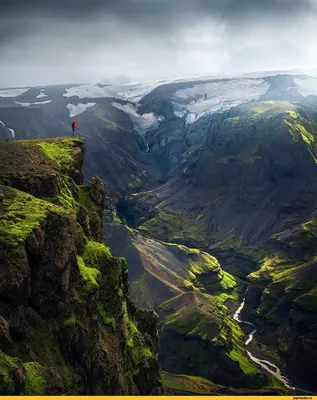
point(283, 298)
point(196, 386)
point(195, 299)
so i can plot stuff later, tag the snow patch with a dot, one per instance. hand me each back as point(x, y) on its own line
point(307, 87)
point(10, 129)
point(12, 132)
point(31, 104)
point(93, 91)
point(80, 108)
point(141, 123)
point(13, 92)
point(42, 94)
point(180, 113)
point(191, 118)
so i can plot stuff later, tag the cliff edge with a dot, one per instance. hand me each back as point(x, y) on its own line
point(67, 325)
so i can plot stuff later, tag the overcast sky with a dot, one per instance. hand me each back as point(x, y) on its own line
point(68, 41)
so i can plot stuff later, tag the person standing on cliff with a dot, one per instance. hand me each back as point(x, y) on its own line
point(74, 126)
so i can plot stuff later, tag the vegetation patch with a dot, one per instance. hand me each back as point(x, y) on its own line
point(243, 361)
point(107, 318)
point(189, 384)
point(88, 274)
point(62, 151)
point(96, 255)
point(35, 382)
point(20, 214)
point(175, 226)
point(8, 370)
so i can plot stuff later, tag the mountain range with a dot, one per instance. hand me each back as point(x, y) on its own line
point(211, 196)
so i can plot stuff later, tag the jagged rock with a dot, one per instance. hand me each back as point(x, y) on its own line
point(62, 294)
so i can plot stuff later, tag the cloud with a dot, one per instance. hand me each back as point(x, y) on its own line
point(58, 41)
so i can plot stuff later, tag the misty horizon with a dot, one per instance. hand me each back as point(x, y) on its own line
point(46, 43)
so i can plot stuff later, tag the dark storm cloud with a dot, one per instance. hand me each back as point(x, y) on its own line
point(146, 39)
point(146, 12)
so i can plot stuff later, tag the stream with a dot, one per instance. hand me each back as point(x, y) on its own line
point(271, 368)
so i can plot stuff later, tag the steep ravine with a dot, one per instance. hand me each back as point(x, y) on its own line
point(248, 197)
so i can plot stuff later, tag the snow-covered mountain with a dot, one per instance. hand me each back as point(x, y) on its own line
point(191, 97)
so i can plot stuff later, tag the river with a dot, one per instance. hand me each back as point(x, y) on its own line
point(264, 364)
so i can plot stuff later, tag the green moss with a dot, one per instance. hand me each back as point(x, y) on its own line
point(226, 160)
point(302, 129)
point(244, 363)
point(115, 217)
point(45, 349)
point(20, 213)
point(146, 352)
point(89, 275)
point(139, 288)
point(58, 153)
point(311, 226)
point(134, 341)
point(171, 226)
point(61, 150)
point(190, 384)
point(65, 197)
point(86, 201)
point(130, 328)
point(136, 184)
point(96, 255)
point(232, 240)
point(293, 114)
point(72, 321)
point(107, 319)
point(35, 382)
point(8, 368)
point(206, 264)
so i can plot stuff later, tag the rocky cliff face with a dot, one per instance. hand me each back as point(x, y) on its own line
point(67, 325)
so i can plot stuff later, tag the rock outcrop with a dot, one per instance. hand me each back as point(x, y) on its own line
point(67, 325)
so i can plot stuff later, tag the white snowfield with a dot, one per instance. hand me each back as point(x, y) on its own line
point(307, 87)
point(42, 94)
point(141, 123)
point(31, 104)
point(136, 92)
point(13, 92)
point(92, 91)
point(80, 108)
point(131, 92)
point(220, 96)
point(10, 129)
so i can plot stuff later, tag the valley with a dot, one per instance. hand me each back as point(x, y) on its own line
point(211, 196)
